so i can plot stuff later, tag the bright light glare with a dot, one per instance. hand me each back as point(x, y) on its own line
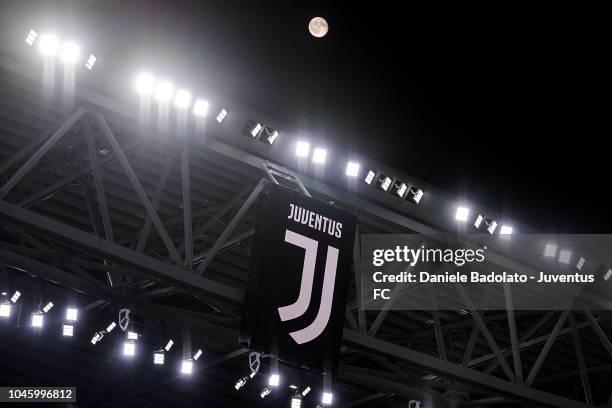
point(550, 250)
point(68, 330)
point(72, 314)
point(462, 214)
point(37, 319)
point(132, 335)
point(158, 358)
point(48, 44)
point(198, 354)
point(296, 402)
point(505, 230)
point(111, 327)
point(352, 169)
point(186, 367)
point(5, 310)
point(70, 53)
point(15, 296)
point(200, 108)
point(129, 348)
point(31, 38)
point(90, 62)
point(163, 91)
point(182, 100)
point(169, 345)
point(319, 156)
point(565, 256)
point(274, 380)
point(305, 391)
point(327, 398)
point(145, 83)
point(302, 149)
point(221, 116)
point(48, 307)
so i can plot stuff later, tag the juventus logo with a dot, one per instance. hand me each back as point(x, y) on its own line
point(299, 307)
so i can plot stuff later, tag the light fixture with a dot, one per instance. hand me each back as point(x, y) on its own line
point(505, 230)
point(31, 38)
point(159, 357)
point(198, 354)
point(67, 329)
point(145, 84)
point(400, 188)
point(462, 214)
point(274, 380)
point(550, 250)
point(293, 386)
point(265, 392)
point(97, 337)
point(48, 44)
point(608, 275)
point(414, 195)
point(268, 135)
point(352, 169)
point(164, 91)
point(37, 319)
point(15, 296)
point(241, 382)
point(253, 128)
point(129, 348)
point(132, 335)
point(48, 307)
point(305, 391)
point(319, 155)
point(169, 345)
point(90, 62)
point(200, 107)
point(221, 116)
point(186, 367)
point(5, 309)
point(70, 53)
point(296, 401)
point(327, 398)
point(565, 256)
point(182, 99)
point(72, 314)
point(384, 182)
point(302, 149)
point(111, 327)
point(369, 178)
point(580, 263)
point(485, 224)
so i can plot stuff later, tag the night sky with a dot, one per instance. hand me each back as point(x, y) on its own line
point(504, 106)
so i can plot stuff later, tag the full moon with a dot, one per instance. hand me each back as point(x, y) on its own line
point(318, 27)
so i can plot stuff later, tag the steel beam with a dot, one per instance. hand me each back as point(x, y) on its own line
point(599, 332)
point(187, 221)
point(516, 356)
point(584, 375)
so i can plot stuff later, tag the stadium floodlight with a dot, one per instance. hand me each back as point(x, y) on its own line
point(550, 250)
point(319, 155)
point(400, 188)
point(70, 53)
point(221, 116)
point(187, 367)
point(90, 62)
point(198, 354)
point(253, 374)
point(72, 314)
point(293, 386)
point(129, 348)
point(505, 230)
point(164, 91)
point(15, 296)
point(253, 128)
point(5, 309)
point(265, 392)
point(37, 320)
point(48, 44)
point(31, 38)
point(145, 84)
point(182, 99)
point(384, 182)
point(274, 380)
point(200, 107)
point(111, 327)
point(302, 149)
point(352, 169)
point(67, 329)
point(369, 178)
point(97, 337)
point(414, 195)
point(296, 401)
point(462, 213)
point(241, 382)
point(327, 398)
point(269, 135)
point(580, 263)
point(305, 391)
point(48, 307)
point(159, 357)
point(132, 335)
point(485, 224)
point(565, 256)
point(608, 275)
point(169, 345)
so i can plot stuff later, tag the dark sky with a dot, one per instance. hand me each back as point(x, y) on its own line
point(502, 105)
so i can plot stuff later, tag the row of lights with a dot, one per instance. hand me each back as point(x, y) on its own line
point(296, 399)
point(482, 222)
point(50, 45)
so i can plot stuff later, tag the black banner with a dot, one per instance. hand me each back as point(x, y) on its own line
point(301, 260)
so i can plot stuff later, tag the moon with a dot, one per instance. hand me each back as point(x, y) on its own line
point(318, 27)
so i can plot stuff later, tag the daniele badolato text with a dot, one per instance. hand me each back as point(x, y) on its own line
point(422, 257)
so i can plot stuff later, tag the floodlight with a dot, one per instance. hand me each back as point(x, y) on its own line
point(253, 128)
point(253, 374)
point(198, 354)
point(159, 357)
point(485, 224)
point(5, 309)
point(550, 250)
point(111, 327)
point(462, 214)
point(265, 392)
point(319, 155)
point(352, 169)
point(169, 345)
point(31, 38)
point(608, 275)
point(187, 367)
point(48, 44)
point(132, 335)
point(274, 380)
point(145, 83)
point(302, 149)
point(565, 256)
point(90, 62)
point(72, 314)
point(327, 398)
point(293, 386)
point(414, 194)
point(296, 401)
point(48, 307)
point(305, 391)
point(240, 383)
point(70, 53)
point(369, 178)
point(15, 296)
point(200, 108)
point(399, 188)
point(97, 337)
point(505, 230)
point(164, 91)
point(67, 329)
point(37, 319)
point(268, 135)
point(580, 263)
point(384, 182)
point(221, 116)
point(129, 348)
point(182, 99)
